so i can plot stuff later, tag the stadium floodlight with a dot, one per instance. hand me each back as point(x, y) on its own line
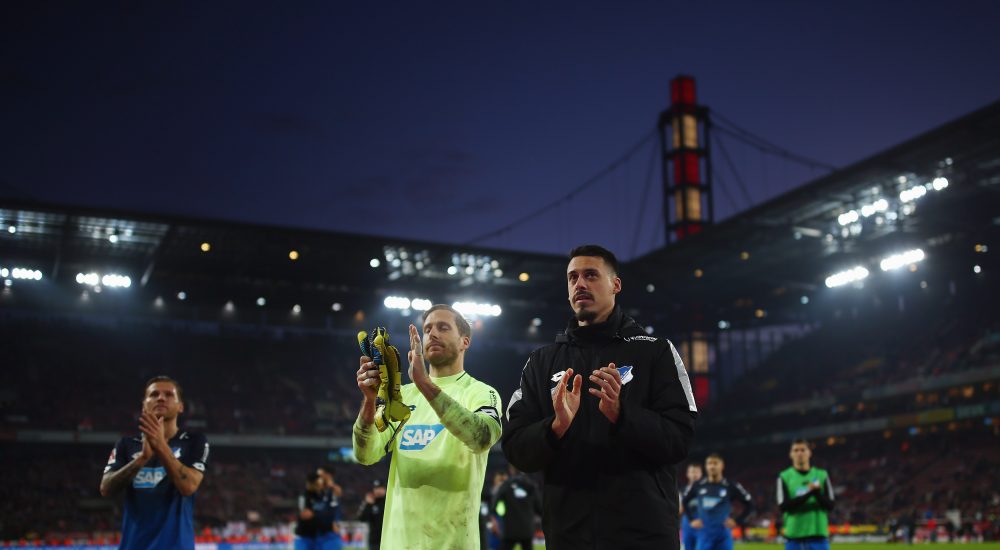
point(939, 183)
point(89, 279)
point(182, 295)
point(536, 322)
point(375, 262)
point(4, 272)
point(113, 238)
point(420, 304)
point(452, 270)
point(912, 193)
point(842, 278)
point(880, 205)
point(296, 309)
point(977, 269)
point(114, 280)
point(847, 218)
point(336, 306)
point(897, 261)
point(261, 301)
point(474, 309)
point(26, 274)
point(229, 307)
point(723, 325)
point(397, 302)
point(12, 229)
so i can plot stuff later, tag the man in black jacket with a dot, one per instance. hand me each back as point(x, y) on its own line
point(517, 502)
point(609, 453)
point(371, 512)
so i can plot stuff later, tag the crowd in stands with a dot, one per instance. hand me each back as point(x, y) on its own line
point(827, 377)
point(234, 383)
point(54, 494)
point(87, 377)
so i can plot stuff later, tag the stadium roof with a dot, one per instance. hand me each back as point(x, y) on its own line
point(217, 261)
point(792, 243)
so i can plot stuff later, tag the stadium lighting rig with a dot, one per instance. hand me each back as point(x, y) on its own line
point(405, 304)
point(20, 273)
point(841, 278)
point(897, 261)
point(474, 309)
point(471, 310)
point(110, 280)
point(900, 203)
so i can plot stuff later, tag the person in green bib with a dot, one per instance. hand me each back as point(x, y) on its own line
point(805, 497)
point(439, 454)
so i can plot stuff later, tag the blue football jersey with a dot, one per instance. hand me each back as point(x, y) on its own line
point(156, 515)
point(712, 502)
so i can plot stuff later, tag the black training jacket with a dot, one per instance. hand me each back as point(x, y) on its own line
point(606, 486)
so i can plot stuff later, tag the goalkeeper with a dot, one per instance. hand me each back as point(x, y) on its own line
point(439, 453)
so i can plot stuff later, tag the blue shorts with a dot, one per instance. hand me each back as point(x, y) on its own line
point(329, 541)
point(714, 540)
point(689, 537)
point(810, 544)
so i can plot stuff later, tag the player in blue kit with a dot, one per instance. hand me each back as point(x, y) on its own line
point(318, 513)
point(159, 472)
point(708, 505)
point(688, 535)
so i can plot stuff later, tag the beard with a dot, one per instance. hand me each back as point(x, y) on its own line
point(446, 356)
point(586, 316)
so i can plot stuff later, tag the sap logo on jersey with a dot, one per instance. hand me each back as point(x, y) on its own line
point(415, 438)
point(147, 478)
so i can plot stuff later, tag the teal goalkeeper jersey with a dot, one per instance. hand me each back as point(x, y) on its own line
point(435, 480)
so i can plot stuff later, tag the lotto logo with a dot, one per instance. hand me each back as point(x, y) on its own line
point(416, 438)
point(147, 478)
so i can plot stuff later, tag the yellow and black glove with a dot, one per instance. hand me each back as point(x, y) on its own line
point(389, 404)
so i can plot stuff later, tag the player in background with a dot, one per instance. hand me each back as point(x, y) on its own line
point(708, 506)
point(805, 497)
point(689, 535)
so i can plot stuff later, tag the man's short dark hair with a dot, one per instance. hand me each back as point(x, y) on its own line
point(716, 456)
point(312, 477)
point(162, 378)
point(799, 441)
point(597, 251)
point(464, 328)
point(696, 465)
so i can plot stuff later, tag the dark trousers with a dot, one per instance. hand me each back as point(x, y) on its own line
point(509, 544)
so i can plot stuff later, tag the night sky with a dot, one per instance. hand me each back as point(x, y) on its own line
point(445, 121)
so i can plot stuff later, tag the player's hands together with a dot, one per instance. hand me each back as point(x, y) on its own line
point(306, 514)
point(730, 523)
point(814, 487)
point(368, 378)
point(153, 433)
point(609, 383)
point(697, 524)
point(566, 402)
point(147, 451)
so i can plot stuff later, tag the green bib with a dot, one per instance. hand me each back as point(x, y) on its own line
point(810, 521)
